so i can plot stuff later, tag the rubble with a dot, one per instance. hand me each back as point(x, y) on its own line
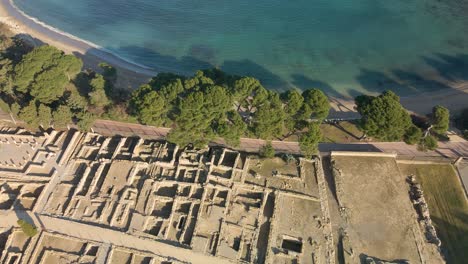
point(417, 197)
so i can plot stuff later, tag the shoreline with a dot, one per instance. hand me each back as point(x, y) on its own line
point(37, 33)
point(132, 75)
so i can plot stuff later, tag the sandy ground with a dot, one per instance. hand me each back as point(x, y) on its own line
point(379, 220)
point(132, 75)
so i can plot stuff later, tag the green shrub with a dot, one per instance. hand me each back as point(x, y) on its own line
point(4, 106)
point(267, 151)
point(413, 135)
point(27, 228)
point(428, 143)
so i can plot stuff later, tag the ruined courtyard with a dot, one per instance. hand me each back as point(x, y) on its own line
point(98, 199)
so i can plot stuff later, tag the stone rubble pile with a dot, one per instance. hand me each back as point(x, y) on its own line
point(422, 208)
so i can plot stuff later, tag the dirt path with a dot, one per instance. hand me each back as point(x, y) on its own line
point(446, 149)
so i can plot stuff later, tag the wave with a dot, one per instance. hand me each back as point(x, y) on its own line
point(90, 44)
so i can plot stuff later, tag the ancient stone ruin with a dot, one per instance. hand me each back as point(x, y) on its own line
point(212, 205)
point(417, 196)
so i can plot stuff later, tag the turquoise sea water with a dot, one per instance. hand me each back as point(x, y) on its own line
point(342, 46)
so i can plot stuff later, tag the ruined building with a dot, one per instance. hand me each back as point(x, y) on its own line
point(131, 200)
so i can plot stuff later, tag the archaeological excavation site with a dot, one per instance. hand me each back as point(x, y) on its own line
point(90, 198)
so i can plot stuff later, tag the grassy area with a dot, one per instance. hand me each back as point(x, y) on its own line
point(266, 167)
point(343, 132)
point(27, 228)
point(447, 205)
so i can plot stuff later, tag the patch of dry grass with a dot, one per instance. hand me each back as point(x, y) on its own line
point(343, 132)
point(267, 167)
point(447, 205)
point(27, 228)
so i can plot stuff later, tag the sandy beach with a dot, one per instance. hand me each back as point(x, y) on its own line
point(132, 75)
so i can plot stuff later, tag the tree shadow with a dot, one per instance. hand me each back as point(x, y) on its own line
point(340, 127)
point(249, 68)
point(328, 147)
point(339, 109)
point(17, 207)
point(412, 87)
point(22, 44)
point(303, 82)
point(450, 67)
point(417, 84)
point(328, 173)
point(376, 82)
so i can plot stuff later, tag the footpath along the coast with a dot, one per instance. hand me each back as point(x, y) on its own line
point(446, 149)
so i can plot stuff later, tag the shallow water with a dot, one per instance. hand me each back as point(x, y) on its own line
point(343, 46)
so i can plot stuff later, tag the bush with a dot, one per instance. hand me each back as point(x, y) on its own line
point(267, 151)
point(427, 143)
point(413, 135)
point(440, 119)
point(27, 228)
point(465, 134)
point(4, 106)
point(309, 140)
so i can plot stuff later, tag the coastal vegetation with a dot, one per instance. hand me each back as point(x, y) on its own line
point(44, 87)
point(384, 118)
point(267, 151)
point(213, 104)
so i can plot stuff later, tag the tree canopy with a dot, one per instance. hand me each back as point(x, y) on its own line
point(97, 96)
point(316, 104)
point(267, 150)
point(44, 86)
point(383, 116)
point(232, 128)
point(309, 140)
point(62, 117)
point(197, 116)
point(44, 116)
point(44, 73)
point(428, 142)
point(212, 103)
point(269, 118)
point(413, 135)
point(29, 115)
point(440, 119)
